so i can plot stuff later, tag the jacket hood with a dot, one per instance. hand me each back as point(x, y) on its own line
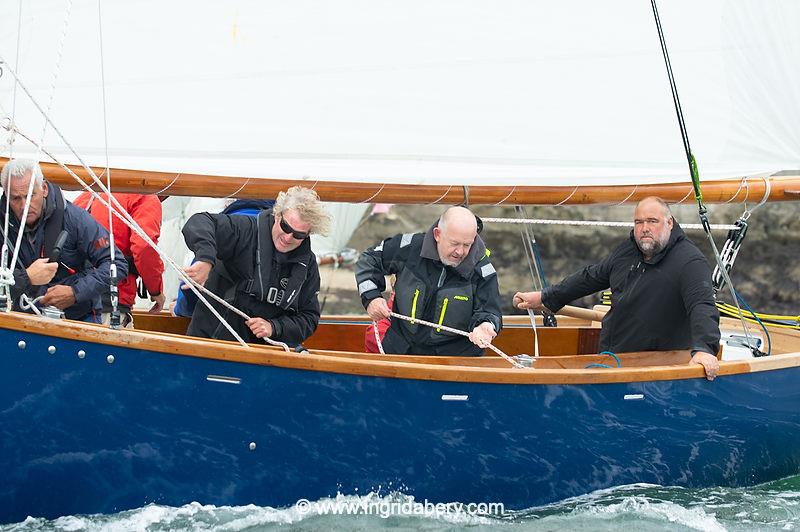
point(255, 204)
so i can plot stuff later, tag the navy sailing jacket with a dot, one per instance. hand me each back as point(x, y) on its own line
point(85, 258)
point(662, 305)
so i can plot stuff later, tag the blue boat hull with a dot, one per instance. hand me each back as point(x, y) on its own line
point(82, 435)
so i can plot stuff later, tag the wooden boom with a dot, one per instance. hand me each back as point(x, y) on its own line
point(782, 188)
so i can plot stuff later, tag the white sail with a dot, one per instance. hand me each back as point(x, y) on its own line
point(451, 92)
point(177, 210)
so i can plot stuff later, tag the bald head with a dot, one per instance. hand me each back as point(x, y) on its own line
point(458, 216)
point(654, 202)
point(455, 233)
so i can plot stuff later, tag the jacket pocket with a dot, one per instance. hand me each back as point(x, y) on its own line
point(409, 299)
point(454, 310)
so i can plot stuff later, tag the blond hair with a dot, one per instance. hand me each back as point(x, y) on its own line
point(307, 204)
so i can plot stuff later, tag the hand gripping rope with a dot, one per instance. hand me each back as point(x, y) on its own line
point(444, 328)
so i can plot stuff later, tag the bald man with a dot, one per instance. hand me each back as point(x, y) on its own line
point(443, 276)
point(662, 298)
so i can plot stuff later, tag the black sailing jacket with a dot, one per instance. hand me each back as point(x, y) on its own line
point(251, 275)
point(661, 305)
point(466, 296)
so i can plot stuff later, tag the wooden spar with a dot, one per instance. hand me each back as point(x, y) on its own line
point(581, 313)
point(783, 188)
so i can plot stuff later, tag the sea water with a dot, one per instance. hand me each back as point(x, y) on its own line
point(634, 508)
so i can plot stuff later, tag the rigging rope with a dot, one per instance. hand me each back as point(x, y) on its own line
point(448, 329)
point(730, 249)
point(591, 223)
point(7, 272)
point(702, 211)
point(7, 264)
point(125, 216)
point(114, 321)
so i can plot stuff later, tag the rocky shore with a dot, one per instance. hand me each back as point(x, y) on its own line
point(766, 272)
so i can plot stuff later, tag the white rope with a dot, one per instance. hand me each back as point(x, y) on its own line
point(507, 196)
point(454, 331)
point(742, 184)
point(168, 186)
point(232, 194)
point(377, 337)
point(5, 265)
point(687, 196)
point(17, 82)
point(591, 223)
point(532, 316)
point(130, 222)
point(114, 280)
point(369, 199)
point(562, 202)
point(635, 188)
point(14, 94)
point(26, 303)
point(440, 198)
point(767, 191)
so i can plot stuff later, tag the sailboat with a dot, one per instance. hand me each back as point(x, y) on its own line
point(557, 103)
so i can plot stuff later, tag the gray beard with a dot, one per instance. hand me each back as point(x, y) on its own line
point(655, 250)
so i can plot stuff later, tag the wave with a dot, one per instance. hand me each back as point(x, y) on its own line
point(644, 507)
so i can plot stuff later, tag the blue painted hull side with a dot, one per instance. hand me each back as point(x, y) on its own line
point(85, 436)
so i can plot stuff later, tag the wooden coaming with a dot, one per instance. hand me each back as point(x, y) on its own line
point(346, 333)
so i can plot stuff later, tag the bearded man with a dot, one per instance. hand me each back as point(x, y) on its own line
point(443, 276)
point(662, 298)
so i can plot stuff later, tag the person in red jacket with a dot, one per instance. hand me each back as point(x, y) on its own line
point(144, 261)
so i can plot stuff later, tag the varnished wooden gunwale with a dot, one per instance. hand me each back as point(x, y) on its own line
point(783, 188)
point(346, 333)
point(169, 344)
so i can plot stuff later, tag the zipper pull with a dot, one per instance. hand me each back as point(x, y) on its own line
point(414, 305)
point(441, 316)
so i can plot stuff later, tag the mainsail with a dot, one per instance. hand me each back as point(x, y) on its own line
point(382, 94)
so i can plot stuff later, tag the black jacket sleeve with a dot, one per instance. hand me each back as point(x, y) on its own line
point(218, 236)
point(589, 280)
point(375, 263)
point(698, 298)
point(22, 285)
point(487, 298)
point(294, 328)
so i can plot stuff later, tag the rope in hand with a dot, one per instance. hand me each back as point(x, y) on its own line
point(377, 337)
point(26, 303)
point(444, 328)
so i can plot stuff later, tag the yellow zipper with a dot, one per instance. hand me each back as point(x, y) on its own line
point(414, 305)
point(441, 316)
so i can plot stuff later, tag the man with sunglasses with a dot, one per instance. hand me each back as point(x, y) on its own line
point(261, 265)
point(444, 276)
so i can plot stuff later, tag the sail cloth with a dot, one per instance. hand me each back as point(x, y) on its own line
point(450, 92)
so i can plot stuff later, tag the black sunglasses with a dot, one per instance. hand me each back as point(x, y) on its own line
point(286, 228)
